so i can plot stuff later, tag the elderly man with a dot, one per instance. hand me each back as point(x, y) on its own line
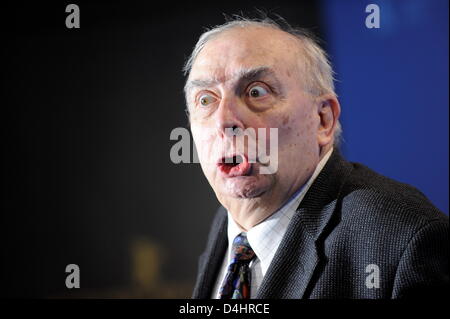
point(317, 226)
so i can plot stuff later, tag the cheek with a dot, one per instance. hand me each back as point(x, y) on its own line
point(201, 138)
point(204, 142)
point(296, 132)
point(298, 124)
point(201, 135)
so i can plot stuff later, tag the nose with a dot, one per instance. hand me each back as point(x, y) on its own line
point(229, 118)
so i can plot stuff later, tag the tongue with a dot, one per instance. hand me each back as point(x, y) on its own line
point(238, 169)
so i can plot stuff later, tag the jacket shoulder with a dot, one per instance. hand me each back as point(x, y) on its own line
point(383, 202)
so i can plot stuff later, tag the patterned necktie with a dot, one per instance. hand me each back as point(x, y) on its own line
point(237, 281)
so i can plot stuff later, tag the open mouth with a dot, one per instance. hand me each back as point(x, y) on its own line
point(236, 165)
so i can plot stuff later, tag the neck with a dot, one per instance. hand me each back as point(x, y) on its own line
point(248, 213)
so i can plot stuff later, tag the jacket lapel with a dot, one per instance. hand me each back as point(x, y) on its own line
point(211, 260)
point(291, 273)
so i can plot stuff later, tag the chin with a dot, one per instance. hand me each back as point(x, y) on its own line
point(247, 193)
point(246, 187)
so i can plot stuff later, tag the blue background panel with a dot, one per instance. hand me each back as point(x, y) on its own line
point(393, 88)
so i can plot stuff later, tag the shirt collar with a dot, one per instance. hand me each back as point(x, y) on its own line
point(265, 237)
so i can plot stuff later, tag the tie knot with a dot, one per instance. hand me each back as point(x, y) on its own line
point(241, 249)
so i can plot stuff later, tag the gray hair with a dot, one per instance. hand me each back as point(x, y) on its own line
point(314, 61)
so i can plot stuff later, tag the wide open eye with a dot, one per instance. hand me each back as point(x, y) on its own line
point(206, 99)
point(257, 91)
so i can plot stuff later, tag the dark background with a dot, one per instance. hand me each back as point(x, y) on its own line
point(87, 113)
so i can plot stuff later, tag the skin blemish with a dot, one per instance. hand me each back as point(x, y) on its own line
point(285, 119)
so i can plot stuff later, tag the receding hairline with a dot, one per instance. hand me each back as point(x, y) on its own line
point(295, 41)
point(253, 26)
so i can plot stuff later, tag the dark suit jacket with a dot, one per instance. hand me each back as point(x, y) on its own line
point(350, 218)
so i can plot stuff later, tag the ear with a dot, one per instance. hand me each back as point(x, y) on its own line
point(328, 109)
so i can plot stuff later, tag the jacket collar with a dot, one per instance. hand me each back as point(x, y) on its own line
point(300, 251)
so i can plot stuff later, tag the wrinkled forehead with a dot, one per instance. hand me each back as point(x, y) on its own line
point(228, 55)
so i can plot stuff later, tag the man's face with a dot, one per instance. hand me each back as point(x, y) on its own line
point(250, 78)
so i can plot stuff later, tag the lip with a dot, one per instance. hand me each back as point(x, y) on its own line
point(234, 170)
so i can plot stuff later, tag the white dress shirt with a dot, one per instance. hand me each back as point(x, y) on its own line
point(265, 237)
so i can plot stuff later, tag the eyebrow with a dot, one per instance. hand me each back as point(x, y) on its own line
point(243, 75)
